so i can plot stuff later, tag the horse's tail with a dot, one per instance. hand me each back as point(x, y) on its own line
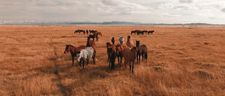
point(146, 55)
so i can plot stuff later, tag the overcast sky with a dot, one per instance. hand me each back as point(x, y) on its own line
point(146, 11)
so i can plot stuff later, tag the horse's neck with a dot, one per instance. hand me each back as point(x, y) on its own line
point(72, 50)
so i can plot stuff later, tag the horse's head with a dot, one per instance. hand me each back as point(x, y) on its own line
point(66, 49)
point(108, 44)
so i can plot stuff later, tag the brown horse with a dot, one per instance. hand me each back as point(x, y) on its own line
point(134, 32)
point(73, 51)
point(79, 31)
point(130, 56)
point(92, 31)
point(150, 32)
point(111, 52)
point(142, 52)
point(119, 53)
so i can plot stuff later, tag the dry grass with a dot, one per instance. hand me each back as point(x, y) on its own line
point(182, 62)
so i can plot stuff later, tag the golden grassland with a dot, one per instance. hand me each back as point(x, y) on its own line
point(182, 62)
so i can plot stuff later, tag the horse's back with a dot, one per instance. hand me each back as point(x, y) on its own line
point(90, 51)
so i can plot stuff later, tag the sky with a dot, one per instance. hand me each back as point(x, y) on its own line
point(144, 11)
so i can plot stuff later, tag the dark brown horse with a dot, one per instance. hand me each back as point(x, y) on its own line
point(142, 32)
point(150, 32)
point(111, 52)
point(142, 52)
point(79, 31)
point(93, 31)
point(134, 32)
point(73, 51)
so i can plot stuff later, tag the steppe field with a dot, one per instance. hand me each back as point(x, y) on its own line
point(183, 61)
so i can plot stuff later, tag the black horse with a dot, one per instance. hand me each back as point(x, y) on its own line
point(111, 52)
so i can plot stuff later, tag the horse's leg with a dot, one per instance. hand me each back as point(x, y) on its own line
point(118, 59)
point(125, 62)
point(143, 56)
point(81, 62)
point(132, 67)
point(109, 64)
point(146, 56)
point(87, 61)
point(94, 57)
point(113, 62)
point(72, 60)
point(138, 57)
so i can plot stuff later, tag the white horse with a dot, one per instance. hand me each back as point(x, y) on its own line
point(85, 55)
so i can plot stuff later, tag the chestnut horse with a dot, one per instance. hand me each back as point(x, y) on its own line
point(119, 53)
point(73, 51)
point(130, 56)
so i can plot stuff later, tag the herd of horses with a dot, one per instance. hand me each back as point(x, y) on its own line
point(130, 54)
point(142, 32)
point(94, 34)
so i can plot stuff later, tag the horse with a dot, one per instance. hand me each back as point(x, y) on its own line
point(73, 51)
point(150, 32)
point(79, 31)
point(133, 32)
point(111, 52)
point(92, 31)
point(130, 56)
point(141, 32)
point(91, 43)
point(142, 52)
point(95, 35)
point(119, 53)
point(129, 42)
point(138, 51)
point(85, 55)
point(87, 31)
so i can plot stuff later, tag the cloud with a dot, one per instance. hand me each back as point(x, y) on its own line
point(185, 1)
point(149, 11)
point(223, 10)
